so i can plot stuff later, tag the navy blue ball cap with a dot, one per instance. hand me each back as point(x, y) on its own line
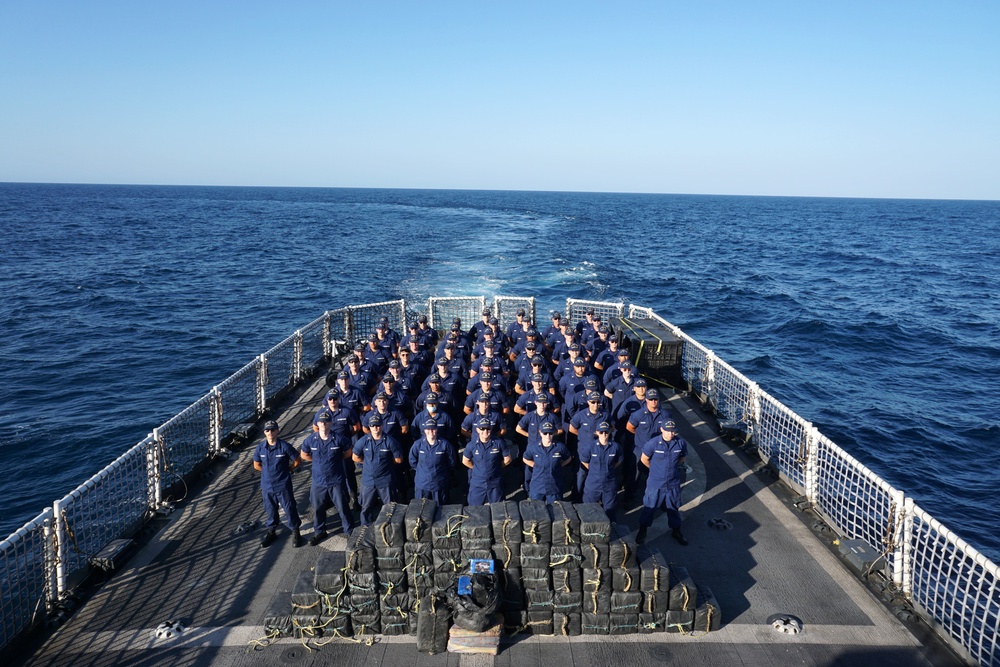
point(593, 396)
point(489, 343)
point(374, 420)
point(422, 318)
point(455, 327)
point(579, 362)
point(486, 311)
point(530, 345)
point(537, 377)
point(602, 329)
point(542, 398)
point(343, 374)
point(591, 383)
point(652, 395)
point(625, 365)
point(640, 383)
point(449, 346)
point(575, 347)
point(333, 395)
point(442, 362)
point(537, 361)
point(547, 427)
point(603, 427)
point(271, 426)
point(388, 379)
point(556, 315)
point(486, 377)
point(414, 325)
point(590, 311)
point(324, 417)
point(485, 422)
point(372, 337)
point(381, 396)
point(520, 311)
point(430, 424)
point(484, 397)
point(668, 425)
point(434, 378)
point(623, 352)
point(494, 320)
point(394, 364)
point(431, 399)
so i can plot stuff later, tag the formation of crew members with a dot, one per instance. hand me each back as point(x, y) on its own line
point(415, 410)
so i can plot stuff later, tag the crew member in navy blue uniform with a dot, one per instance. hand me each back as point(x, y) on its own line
point(359, 378)
point(620, 388)
point(517, 328)
point(434, 459)
point(600, 458)
point(328, 454)
point(381, 456)
point(345, 426)
point(606, 358)
point(530, 423)
point(428, 335)
point(586, 323)
point(486, 456)
point(275, 459)
point(420, 356)
point(664, 456)
point(432, 412)
point(584, 426)
point(484, 408)
point(547, 458)
point(378, 356)
point(477, 329)
point(644, 424)
point(350, 396)
point(552, 329)
point(388, 344)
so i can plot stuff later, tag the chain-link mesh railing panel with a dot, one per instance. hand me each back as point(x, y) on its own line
point(576, 310)
point(857, 502)
point(24, 575)
point(782, 437)
point(186, 440)
point(441, 310)
point(694, 364)
point(238, 394)
point(110, 505)
point(956, 586)
point(367, 316)
point(340, 323)
point(505, 309)
point(312, 342)
point(280, 367)
point(732, 395)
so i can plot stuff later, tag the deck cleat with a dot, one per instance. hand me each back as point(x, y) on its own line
point(785, 624)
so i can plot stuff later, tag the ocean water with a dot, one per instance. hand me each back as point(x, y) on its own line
point(877, 320)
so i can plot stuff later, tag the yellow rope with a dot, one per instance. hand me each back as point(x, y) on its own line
point(262, 642)
point(597, 555)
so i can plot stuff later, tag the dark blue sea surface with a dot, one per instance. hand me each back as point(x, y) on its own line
point(878, 320)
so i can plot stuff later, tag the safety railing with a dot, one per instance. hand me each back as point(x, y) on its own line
point(950, 583)
point(441, 310)
point(26, 577)
point(576, 310)
point(505, 309)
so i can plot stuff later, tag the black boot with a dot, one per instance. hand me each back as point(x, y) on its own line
point(317, 538)
point(641, 535)
point(268, 537)
point(679, 536)
point(297, 540)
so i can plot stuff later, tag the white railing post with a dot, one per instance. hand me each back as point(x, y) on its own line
point(900, 537)
point(261, 384)
point(155, 484)
point(60, 548)
point(708, 380)
point(215, 422)
point(327, 335)
point(297, 357)
point(811, 472)
point(906, 555)
point(51, 559)
point(753, 417)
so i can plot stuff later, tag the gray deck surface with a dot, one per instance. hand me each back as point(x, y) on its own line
point(196, 570)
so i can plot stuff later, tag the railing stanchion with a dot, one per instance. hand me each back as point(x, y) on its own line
point(60, 548)
point(261, 384)
point(327, 336)
point(153, 470)
point(297, 358)
point(215, 423)
point(51, 556)
point(812, 464)
point(906, 555)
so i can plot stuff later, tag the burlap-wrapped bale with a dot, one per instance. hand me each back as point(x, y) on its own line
point(683, 591)
point(567, 603)
point(329, 574)
point(479, 554)
point(565, 556)
point(626, 603)
point(595, 555)
point(595, 527)
point(567, 580)
point(360, 551)
point(507, 526)
point(540, 622)
point(597, 602)
point(366, 625)
point(412, 617)
point(567, 625)
point(362, 583)
point(536, 578)
point(394, 605)
point(650, 623)
point(394, 625)
point(596, 624)
point(445, 581)
point(278, 616)
point(419, 518)
point(622, 548)
point(680, 621)
point(390, 558)
point(707, 613)
point(598, 579)
point(364, 605)
point(536, 524)
point(624, 624)
point(565, 523)
point(433, 621)
point(626, 579)
point(446, 532)
point(478, 524)
point(535, 555)
point(390, 527)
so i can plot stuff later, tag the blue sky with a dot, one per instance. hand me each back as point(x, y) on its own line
point(867, 99)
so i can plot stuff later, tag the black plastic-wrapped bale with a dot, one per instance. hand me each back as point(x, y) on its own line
point(477, 543)
point(707, 613)
point(565, 524)
point(278, 616)
point(565, 556)
point(336, 605)
point(536, 578)
point(513, 589)
point(305, 598)
point(535, 555)
point(567, 580)
point(445, 581)
point(540, 622)
point(306, 626)
point(448, 560)
point(433, 621)
point(650, 623)
point(680, 621)
point(598, 579)
point(419, 518)
point(622, 549)
point(567, 603)
point(418, 554)
point(624, 624)
point(473, 611)
point(595, 527)
point(536, 524)
point(360, 551)
point(625, 579)
point(336, 626)
point(656, 602)
point(567, 625)
point(329, 574)
point(597, 602)
point(478, 524)
point(538, 600)
point(683, 591)
point(394, 625)
point(626, 603)
point(364, 605)
point(596, 624)
point(390, 558)
point(362, 583)
point(595, 555)
point(515, 621)
point(366, 625)
point(412, 617)
point(391, 582)
point(446, 532)
point(655, 350)
point(390, 526)
point(420, 581)
point(506, 522)
point(508, 554)
point(654, 572)
point(478, 554)
point(394, 603)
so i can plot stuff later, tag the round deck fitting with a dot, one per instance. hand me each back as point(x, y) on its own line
point(168, 630)
point(719, 524)
point(785, 624)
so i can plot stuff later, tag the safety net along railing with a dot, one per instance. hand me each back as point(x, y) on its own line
point(576, 310)
point(441, 310)
point(26, 576)
point(505, 310)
